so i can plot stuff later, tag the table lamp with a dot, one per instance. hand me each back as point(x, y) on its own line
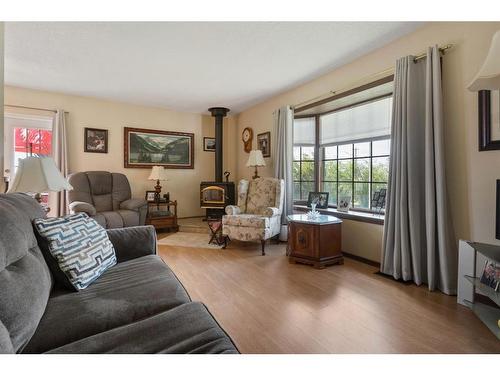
point(488, 77)
point(38, 175)
point(256, 160)
point(158, 173)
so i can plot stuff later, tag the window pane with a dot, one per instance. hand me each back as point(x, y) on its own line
point(307, 153)
point(296, 191)
point(377, 186)
point(330, 170)
point(345, 151)
point(306, 188)
point(296, 170)
point(330, 187)
point(296, 153)
point(361, 195)
point(304, 131)
point(382, 147)
point(362, 170)
point(345, 191)
point(369, 120)
point(380, 167)
point(345, 170)
point(361, 149)
point(307, 171)
point(331, 152)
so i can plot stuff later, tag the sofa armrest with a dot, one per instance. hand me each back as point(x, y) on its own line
point(133, 242)
point(133, 204)
point(77, 206)
point(271, 211)
point(233, 210)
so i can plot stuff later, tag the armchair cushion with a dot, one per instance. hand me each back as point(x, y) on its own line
point(233, 210)
point(261, 194)
point(271, 211)
point(133, 204)
point(78, 206)
point(244, 220)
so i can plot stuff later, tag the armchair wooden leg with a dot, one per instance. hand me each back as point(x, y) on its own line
point(263, 244)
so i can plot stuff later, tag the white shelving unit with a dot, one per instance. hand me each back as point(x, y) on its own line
point(469, 283)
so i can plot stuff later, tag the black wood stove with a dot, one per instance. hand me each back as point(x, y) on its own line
point(216, 195)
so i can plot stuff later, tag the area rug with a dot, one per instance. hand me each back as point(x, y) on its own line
point(188, 240)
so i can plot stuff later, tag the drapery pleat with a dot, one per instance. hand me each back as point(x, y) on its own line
point(418, 242)
point(283, 146)
point(60, 155)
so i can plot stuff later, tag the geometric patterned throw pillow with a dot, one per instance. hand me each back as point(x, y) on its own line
point(79, 245)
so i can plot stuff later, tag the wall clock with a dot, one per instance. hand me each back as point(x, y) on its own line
point(246, 137)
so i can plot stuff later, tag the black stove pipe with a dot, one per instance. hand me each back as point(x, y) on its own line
point(219, 113)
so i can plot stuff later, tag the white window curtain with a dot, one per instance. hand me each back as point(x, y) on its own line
point(365, 121)
point(60, 155)
point(283, 146)
point(419, 243)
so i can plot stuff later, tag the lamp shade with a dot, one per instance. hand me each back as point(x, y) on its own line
point(158, 173)
point(256, 159)
point(488, 77)
point(38, 175)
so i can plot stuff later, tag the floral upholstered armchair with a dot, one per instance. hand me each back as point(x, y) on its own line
point(257, 217)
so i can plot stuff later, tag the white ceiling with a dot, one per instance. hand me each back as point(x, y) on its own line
point(185, 66)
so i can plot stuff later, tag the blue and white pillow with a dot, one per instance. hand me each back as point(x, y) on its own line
point(79, 245)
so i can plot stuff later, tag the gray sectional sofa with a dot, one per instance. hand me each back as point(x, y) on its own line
point(137, 306)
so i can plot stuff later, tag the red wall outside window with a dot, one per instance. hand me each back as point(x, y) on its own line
point(40, 141)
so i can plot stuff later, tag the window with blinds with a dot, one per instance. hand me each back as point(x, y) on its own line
point(355, 124)
point(353, 151)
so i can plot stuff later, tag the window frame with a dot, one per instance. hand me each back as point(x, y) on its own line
point(353, 181)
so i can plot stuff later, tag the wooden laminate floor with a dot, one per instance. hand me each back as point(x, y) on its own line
point(270, 306)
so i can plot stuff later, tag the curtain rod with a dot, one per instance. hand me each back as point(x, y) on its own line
point(34, 108)
point(387, 71)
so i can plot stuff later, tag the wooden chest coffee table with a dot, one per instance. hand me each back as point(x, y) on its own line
point(317, 242)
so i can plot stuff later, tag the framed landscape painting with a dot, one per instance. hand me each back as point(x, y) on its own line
point(144, 148)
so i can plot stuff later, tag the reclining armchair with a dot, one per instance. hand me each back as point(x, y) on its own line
point(257, 217)
point(106, 197)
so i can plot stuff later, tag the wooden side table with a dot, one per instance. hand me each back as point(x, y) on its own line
point(160, 216)
point(316, 242)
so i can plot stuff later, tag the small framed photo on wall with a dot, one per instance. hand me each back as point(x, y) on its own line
point(209, 144)
point(264, 143)
point(95, 140)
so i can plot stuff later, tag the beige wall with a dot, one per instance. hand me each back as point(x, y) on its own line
point(471, 174)
point(183, 184)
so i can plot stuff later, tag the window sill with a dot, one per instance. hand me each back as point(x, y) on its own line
point(365, 217)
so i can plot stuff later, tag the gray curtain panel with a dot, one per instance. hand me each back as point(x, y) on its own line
point(60, 155)
point(419, 243)
point(283, 146)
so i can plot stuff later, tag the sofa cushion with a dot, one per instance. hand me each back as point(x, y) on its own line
point(245, 220)
point(188, 328)
point(25, 280)
point(118, 219)
point(5, 341)
point(127, 292)
point(80, 246)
